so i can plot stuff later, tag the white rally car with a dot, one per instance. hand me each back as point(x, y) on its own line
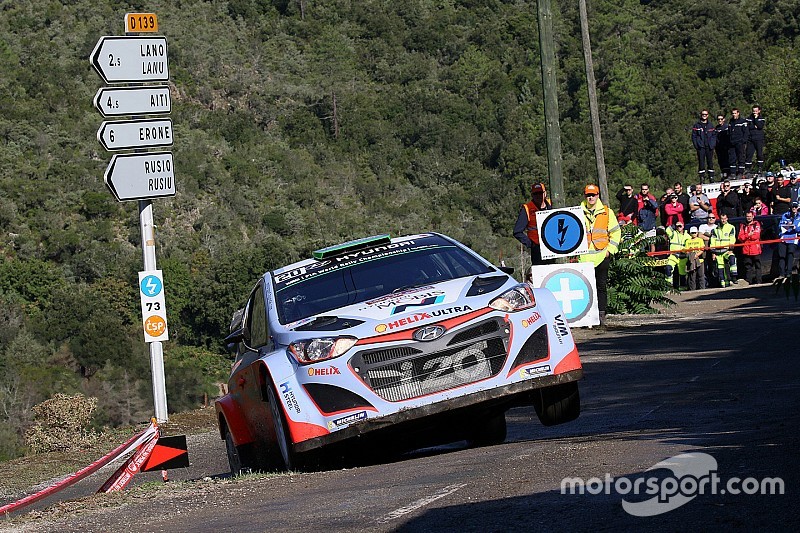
point(410, 341)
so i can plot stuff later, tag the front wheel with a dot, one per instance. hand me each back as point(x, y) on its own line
point(238, 456)
point(284, 446)
point(557, 404)
point(489, 430)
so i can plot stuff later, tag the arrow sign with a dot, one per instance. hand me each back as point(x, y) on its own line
point(140, 176)
point(124, 134)
point(131, 59)
point(119, 101)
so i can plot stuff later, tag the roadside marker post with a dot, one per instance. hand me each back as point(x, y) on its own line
point(140, 176)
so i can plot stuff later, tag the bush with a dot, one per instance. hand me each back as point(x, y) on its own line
point(60, 424)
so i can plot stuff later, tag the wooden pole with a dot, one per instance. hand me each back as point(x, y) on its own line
point(550, 87)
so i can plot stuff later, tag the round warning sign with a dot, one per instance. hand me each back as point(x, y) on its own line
point(563, 232)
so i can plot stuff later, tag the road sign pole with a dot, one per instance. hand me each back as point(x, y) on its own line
point(156, 350)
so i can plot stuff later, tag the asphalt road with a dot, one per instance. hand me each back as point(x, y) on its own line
point(720, 380)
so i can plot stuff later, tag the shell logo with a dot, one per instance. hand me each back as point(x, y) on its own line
point(380, 328)
point(531, 319)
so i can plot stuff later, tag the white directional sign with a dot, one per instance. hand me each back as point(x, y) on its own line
point(123, 134)
point(154, 310)
point(120, 101)
point(141, 176)
point(131, 59)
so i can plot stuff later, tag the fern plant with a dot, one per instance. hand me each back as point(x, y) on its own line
point(635, 283)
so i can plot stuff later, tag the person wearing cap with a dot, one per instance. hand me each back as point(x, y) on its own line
point(766, 189)
point(628, 205)
point(603, 235)
point(738, 139)
point(723, 237)
point(794, 186)
point(755, 139)
point(704, 232)
point(676, 262)
point(695, 269)
point(525, 230)
point(673, 210)
point(787, 248)
point(704, 139)
point(750, 235)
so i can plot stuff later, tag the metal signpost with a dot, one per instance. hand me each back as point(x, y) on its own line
point(143, 175)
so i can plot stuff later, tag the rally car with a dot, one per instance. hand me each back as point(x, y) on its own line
point(410, 340)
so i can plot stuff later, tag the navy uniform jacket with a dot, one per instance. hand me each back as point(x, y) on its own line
point(755, 127)
point(739, 130)
point(704, 135)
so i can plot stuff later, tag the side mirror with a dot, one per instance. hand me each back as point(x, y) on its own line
point(234, 338)
point(506, 270)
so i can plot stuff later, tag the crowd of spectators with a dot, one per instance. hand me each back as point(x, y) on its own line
point(707, 237)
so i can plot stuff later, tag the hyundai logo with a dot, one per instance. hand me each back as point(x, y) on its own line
point(429, 333)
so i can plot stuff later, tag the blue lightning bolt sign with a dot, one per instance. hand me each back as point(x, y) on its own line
point(562, 232)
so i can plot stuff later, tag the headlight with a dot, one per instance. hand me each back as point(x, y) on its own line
point(313, 350)
point(516, 299)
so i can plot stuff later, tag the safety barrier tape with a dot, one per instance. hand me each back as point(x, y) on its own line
point(145, 436)
point(120, 479)
point(722, 248)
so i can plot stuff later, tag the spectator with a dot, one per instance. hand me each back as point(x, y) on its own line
point(695, 270)
point(747, 197)
point(738, 137)
point(759, 208)
point(662, 203)
point(676, 262)
point(704, 233)
point(787, 248)
point(647, 209)
point(673, 210)
point(722, 240)
point(750, 235)
point(782, 199)
point(728, 201)
point(794, 186)
point(755, 139)
point(603, 235)
point(723, 146)
point(766, 190)
point(699, 205)
point(526, 230)
point(683, 198)
point(704, 139)
point(628, 205)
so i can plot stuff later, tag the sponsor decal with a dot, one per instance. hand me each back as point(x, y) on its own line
point(560, 327)
point(534, 372)
point(427, 301)
point(416, 317)
point(329, 371)
point(289, 398)
point(401, 297)
point(531, 319)
point(339, 423)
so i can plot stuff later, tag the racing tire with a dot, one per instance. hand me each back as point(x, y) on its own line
point(239, 457)
point(489, 430)
point(557, 404)
point(284, 457)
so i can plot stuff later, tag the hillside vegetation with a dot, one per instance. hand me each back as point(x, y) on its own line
point(302, 123)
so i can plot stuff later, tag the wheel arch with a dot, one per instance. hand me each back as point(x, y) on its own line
point(230, 416)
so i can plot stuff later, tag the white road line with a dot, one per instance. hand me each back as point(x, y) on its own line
point(422, 502)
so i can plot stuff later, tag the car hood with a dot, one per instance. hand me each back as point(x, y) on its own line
point(402, 309)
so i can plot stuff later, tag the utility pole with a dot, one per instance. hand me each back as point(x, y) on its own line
point(550, 87)
point(593, 111)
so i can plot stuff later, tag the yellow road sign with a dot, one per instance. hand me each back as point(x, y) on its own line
point(141, 23)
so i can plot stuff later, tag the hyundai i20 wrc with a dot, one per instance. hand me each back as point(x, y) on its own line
point(401, 342)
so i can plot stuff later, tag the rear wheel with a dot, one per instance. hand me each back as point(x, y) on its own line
point(557, 404)
point(489, 430)
point(238, 456)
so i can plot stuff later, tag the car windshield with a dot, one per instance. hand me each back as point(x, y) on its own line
point(336, 283)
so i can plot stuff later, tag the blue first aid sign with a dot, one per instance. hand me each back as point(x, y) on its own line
point(154, 311)
point(562, 232)
point(574, 287)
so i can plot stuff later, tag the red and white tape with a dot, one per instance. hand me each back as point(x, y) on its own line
point(145, 437)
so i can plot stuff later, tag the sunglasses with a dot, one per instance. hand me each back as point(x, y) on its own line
point(590, 195)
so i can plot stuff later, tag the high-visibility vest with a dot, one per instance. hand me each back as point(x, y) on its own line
point(602, 233)
point(532, 228)
point(677, 240)
point(724, 235)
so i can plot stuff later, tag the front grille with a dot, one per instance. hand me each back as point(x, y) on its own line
point(416, 369)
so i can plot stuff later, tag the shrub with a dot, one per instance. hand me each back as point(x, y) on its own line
point(60, 424)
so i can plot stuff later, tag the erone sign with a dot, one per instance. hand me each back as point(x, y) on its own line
point(123, 134)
